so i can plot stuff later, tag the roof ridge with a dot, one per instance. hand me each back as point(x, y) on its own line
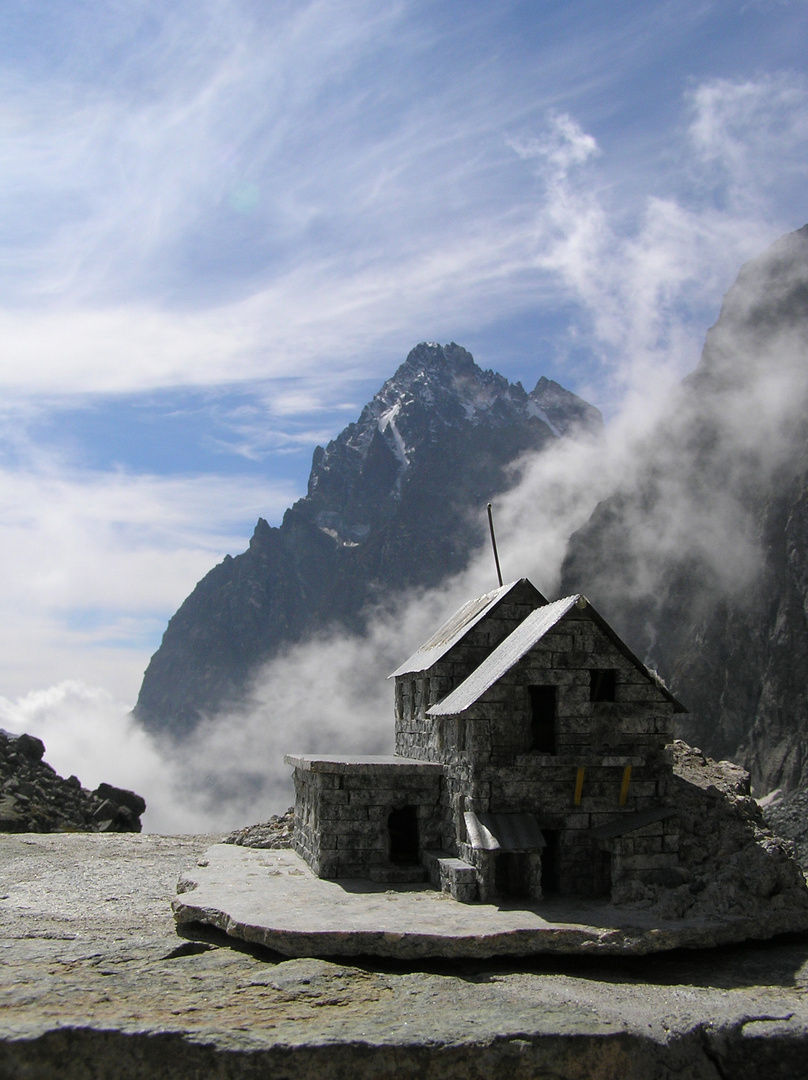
point(509, 652)
point(455, 628)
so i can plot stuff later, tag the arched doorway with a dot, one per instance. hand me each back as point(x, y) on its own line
point(402, 828)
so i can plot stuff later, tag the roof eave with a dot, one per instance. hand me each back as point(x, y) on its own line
point(412, 666)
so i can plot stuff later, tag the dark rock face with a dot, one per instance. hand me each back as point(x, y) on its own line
point(393, 502)
point(702, 560)
point(33, 798)
point(787, 815)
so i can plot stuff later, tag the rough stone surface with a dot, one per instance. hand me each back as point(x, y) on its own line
point(736, 866)
point(95, 983)
point(275, 900)
point(33, 798)
point(787, 815)
point(275, 833)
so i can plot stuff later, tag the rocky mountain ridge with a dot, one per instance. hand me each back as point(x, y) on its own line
point(701, 559)
point(34, 798)
point(393, 502)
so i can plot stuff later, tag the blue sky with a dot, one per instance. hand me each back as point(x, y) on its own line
point(224, 223)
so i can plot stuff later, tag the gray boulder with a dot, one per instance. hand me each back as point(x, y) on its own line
point(34, 798)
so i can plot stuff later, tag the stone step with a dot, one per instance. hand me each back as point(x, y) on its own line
point(452, 875)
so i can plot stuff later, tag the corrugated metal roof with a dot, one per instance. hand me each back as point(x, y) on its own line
point(452, 631)
point(520, 641)
point(503, 832)
point(626, 823)
point(502, 659)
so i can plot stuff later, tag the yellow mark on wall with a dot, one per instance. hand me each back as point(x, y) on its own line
point(625, 784)
point(579, 786)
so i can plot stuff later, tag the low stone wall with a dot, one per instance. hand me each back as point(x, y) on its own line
point(343, 808)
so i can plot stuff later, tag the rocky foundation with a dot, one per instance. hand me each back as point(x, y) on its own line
point(95, 982)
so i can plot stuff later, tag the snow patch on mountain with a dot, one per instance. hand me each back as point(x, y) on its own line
point(387, 422)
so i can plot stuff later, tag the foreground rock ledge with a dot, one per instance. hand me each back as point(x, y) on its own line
point(95, 982)
point(272, 898)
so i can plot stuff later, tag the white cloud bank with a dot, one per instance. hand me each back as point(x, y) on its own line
point(91, 564)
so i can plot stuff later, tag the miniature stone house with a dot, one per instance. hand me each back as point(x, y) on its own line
point(530, 760)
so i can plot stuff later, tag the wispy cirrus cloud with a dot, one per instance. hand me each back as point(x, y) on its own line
point(212, 191)
point(649, 281)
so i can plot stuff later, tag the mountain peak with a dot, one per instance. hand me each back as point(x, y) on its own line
point(442, 380)
point(429, 354)
point(395, 501)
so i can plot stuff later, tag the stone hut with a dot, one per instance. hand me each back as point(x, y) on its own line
point(530, 759)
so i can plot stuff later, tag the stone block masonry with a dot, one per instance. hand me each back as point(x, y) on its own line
point(366, 817)
point(533, 761)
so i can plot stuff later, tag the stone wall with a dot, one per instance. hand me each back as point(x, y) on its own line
point(490, 887)
point(649, 854)
point(493, 770)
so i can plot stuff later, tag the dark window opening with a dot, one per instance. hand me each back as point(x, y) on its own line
point(603, 684)
point(542, 719)
point(511, 876)
point(402, 826)
point(602, 874)
point(550, 862)
point(461, 733)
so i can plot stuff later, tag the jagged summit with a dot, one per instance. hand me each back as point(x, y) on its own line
point(393, 501)
point(445, 380)
point(438, 389)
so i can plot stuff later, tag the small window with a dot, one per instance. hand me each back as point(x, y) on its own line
point(602, 684)
point(542, 719)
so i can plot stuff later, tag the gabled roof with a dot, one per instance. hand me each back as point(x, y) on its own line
point(510, 651)
point(455, 628)
point(502, 659)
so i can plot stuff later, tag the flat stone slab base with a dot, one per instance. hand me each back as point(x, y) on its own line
point(272, 898)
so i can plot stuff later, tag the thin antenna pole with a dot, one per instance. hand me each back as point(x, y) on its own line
point(494, 541)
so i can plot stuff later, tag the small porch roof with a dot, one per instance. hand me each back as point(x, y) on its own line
point(626, 823)
point(503, 832)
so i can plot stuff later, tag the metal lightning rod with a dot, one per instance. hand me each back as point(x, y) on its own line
point(494, 542)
